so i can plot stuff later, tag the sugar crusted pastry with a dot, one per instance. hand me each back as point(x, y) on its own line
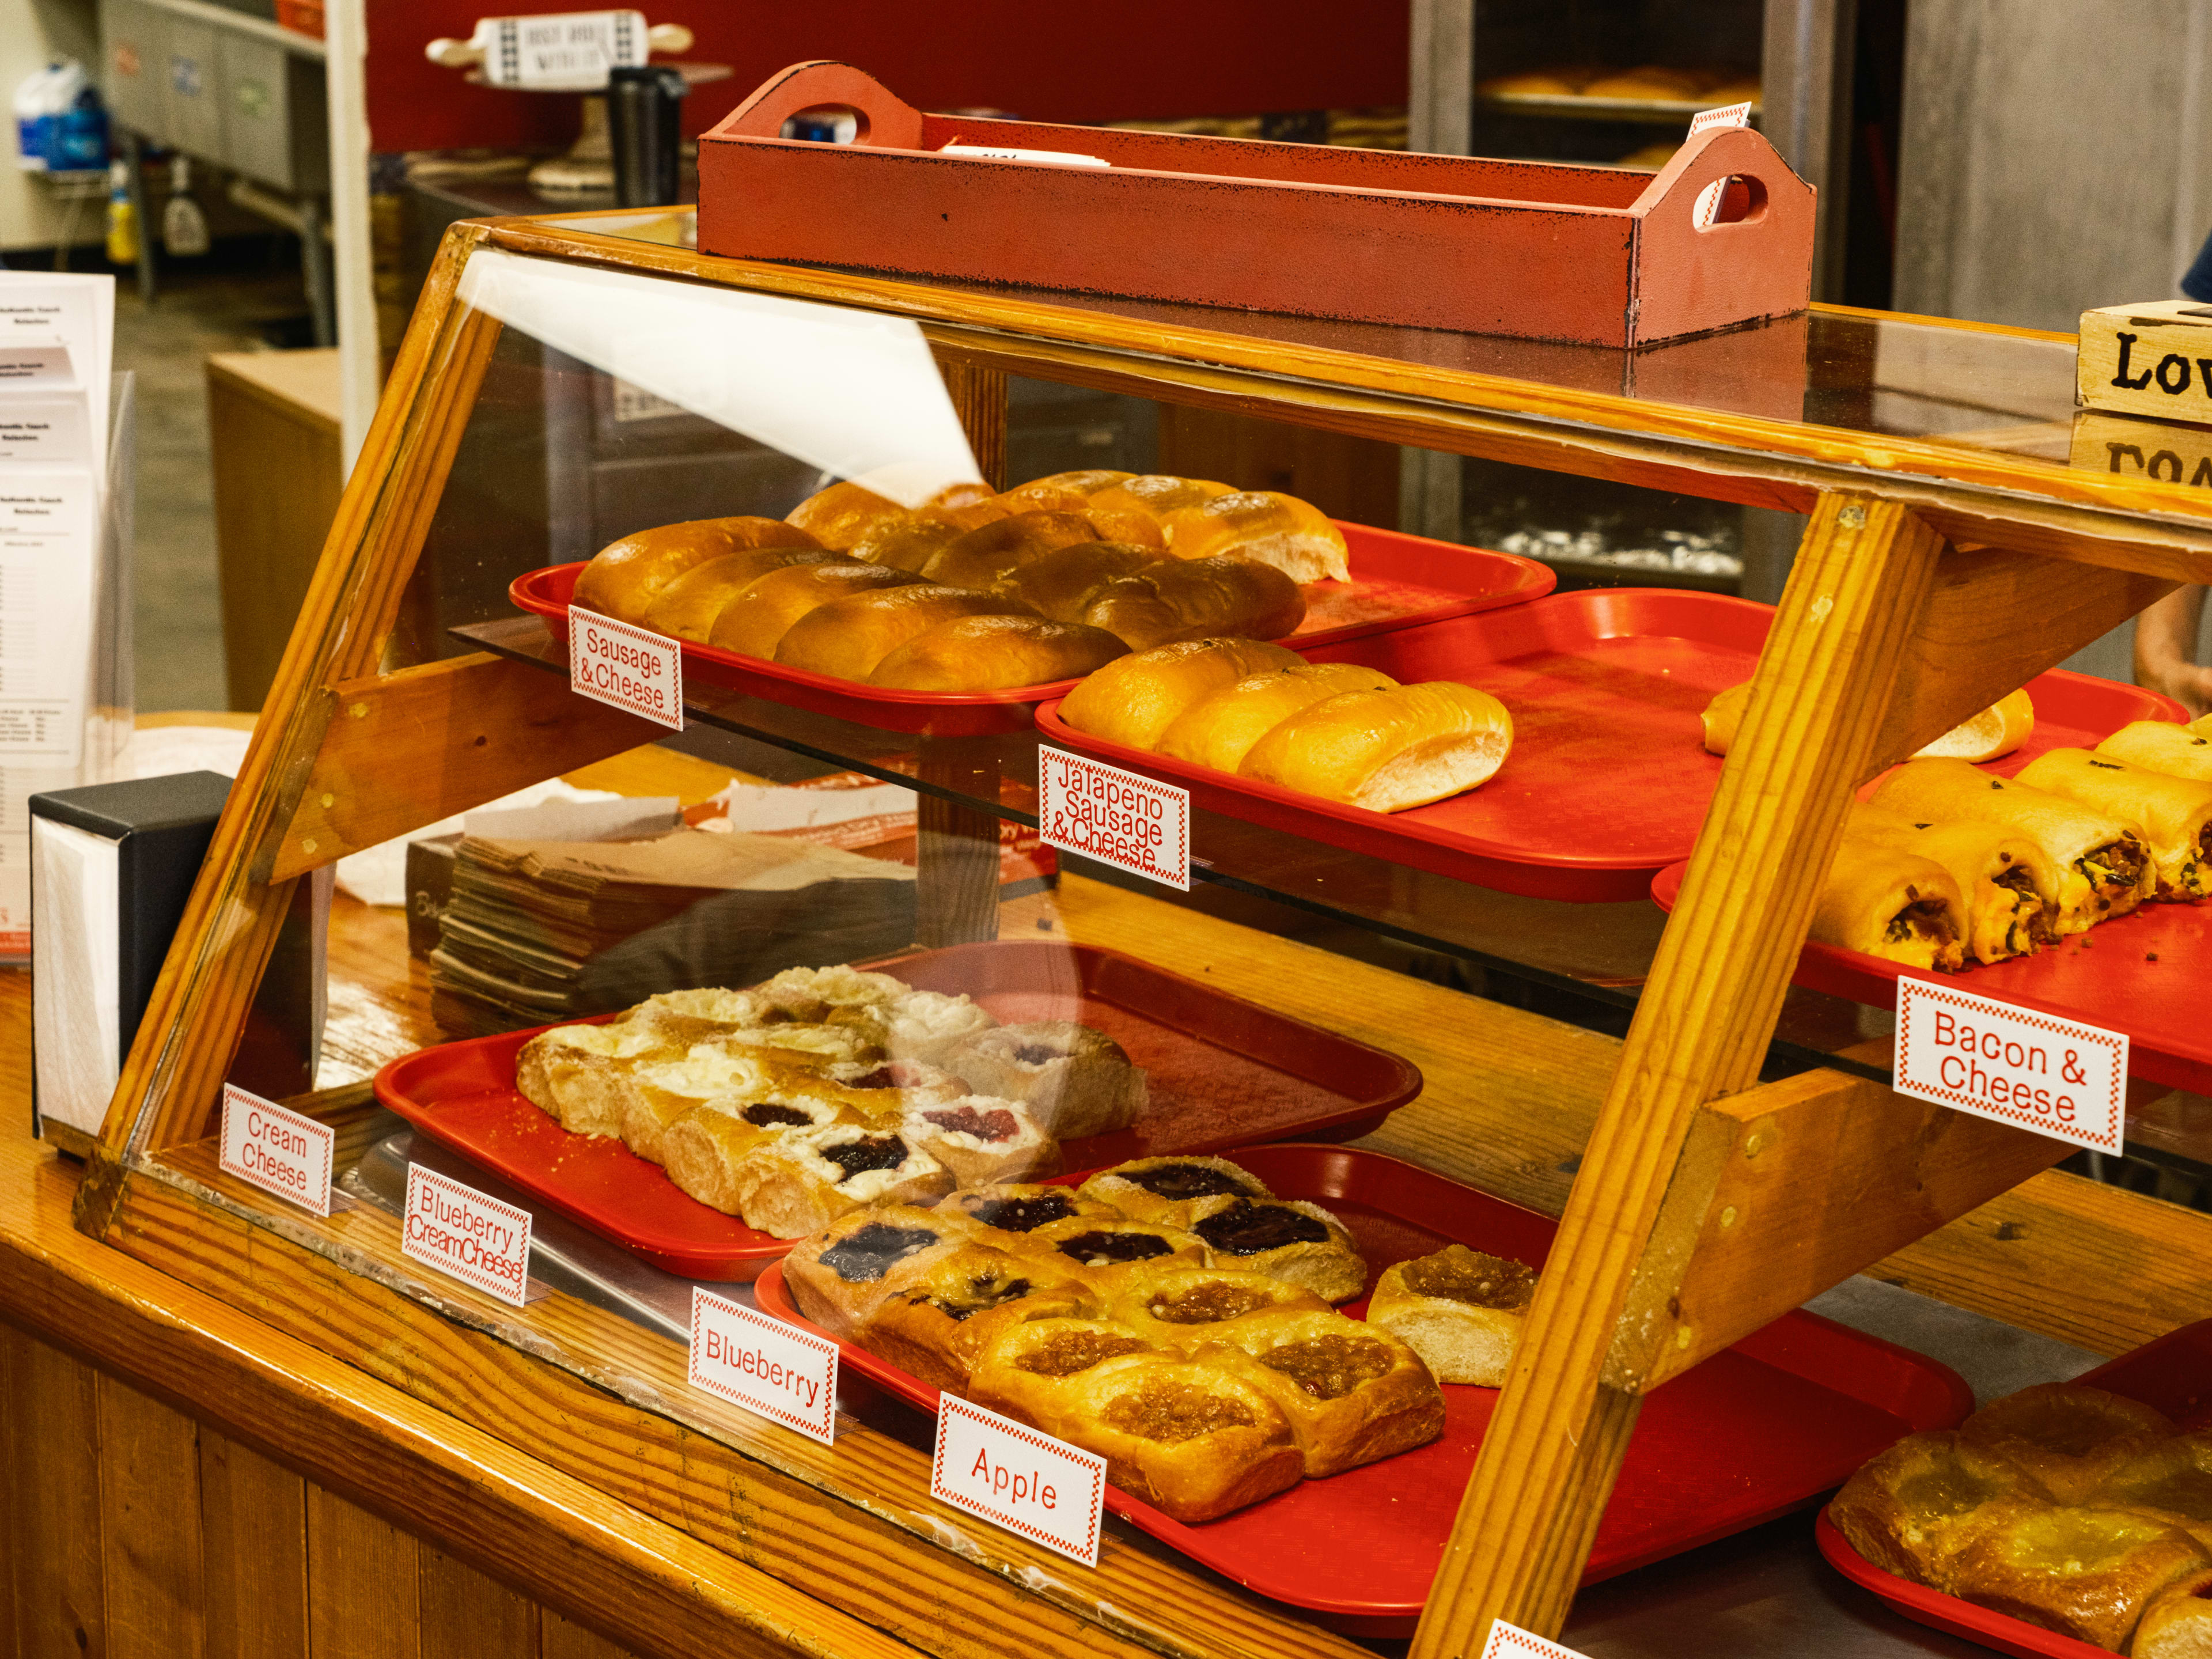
point(1461, 1310)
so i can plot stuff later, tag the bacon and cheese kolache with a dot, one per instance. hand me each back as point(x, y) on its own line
point(1887, 902)
point(2180, 752)
point(2175, 814)
point(2007, 886)
point(1995, 732)
point(2104, 866)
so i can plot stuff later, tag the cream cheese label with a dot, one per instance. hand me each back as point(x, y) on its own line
point(760, 1363)
point(459, 1230)
point(1018, 1478)
point(278, 1149)
point(2055, 1076)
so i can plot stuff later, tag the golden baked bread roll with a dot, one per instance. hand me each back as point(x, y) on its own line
point(1994, 732)
point(1174, 599)
point(2069, 1437)
point(1162, 1189)
point(2104, 868)
point(755, 620)
point(1062, 583)
point(910, 543)
point(2085, 1573)
point(1461, 1309)
point(1135, 698)
point(1352, 1393)
point(1110, 1251)
point(1128, 524)
point(2177, 1623)
point(1221, 731)
point(986, 556)
point(1191, 1440)
point(1076, 1079)
point(800, 1182)
point(837, 1277)
point(1647, 80)
point(1287, 1239)
point(2009, 891)
point(2174, 814)
point(1055, 488)
point(2179, 751)
point(1155, 495)
point(1885, 902)
point(1387, 750)
point(1176, 1304)
point(925, 1322)
point(625, 577)
point(1295, 536)
point(842, 516)
point(1000, 1211)
point(1903, 1510)
point(689, 607)
point(992, 653)
point(847, 638)
point(982, 1138)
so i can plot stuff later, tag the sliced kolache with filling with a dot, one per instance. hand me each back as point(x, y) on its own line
point(2174, 814)
point(2010, 889)
point(1885, 902)
point(2103, 862)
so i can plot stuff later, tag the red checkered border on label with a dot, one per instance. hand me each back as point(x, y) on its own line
point(825, 1424)
point(1178, 858)
point(952, 1405)
point(2116, 1102)
point(1506, 1641)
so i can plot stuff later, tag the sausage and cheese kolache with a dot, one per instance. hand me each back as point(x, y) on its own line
point(1887, 902)
point(2174, 814)
point(2103, 863)
point(2180, 752)
point(2008, 888)
point(1995, 732)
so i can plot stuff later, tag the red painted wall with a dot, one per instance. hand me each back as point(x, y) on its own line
point(1045, 60)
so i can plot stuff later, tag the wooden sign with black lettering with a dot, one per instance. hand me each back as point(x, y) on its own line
point(2164, 451)
point(2152, 359)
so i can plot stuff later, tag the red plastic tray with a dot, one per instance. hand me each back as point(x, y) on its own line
point(1223, 1071)
point(2134, 974)
point(1752, 1434)
point(2173, 1373)
point(1608, 779)
point(1396, 581)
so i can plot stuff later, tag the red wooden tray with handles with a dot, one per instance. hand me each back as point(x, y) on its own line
point(1608, 779)
point(2173, 1373)
point(1222, 1071)
point(1396, 581)
point(1752, 1433)
point(1532, 249)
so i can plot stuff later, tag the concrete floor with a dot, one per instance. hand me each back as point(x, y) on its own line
point(178, 610)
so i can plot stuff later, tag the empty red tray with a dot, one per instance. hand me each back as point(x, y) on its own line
point(1751, 1434)
point(2173, 1373)
point(1396, 580)
point(1223, 1071)
point(1608, 779)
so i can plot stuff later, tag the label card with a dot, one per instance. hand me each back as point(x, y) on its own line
point(1728, 115)
point(1118, 818)
point(1016, 1478)
point(278, 1149)
point(2061, 1078)
point(459, 1231)
point(1511, 1642)
point(567, 52)
point(753, 1360)
point(1066, 158)
point(632, 669)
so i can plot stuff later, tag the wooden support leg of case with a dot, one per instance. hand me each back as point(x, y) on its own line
point(173, 1074)
point(955, 845)
point(1818, 704)
point(979, 397)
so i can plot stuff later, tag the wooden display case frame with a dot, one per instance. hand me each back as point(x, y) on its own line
point(1930, 582)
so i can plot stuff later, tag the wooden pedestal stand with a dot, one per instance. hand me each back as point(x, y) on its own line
point(1933, 579)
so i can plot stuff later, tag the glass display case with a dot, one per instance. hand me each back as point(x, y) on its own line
point(1466, 1022)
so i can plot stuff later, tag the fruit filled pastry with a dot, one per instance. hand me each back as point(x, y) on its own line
point(2173, 1481)
point(704, 1150)
point(653, 1095)
point(800, 1183)
point(938, 1312)
point(837, 1277)
point(1010, 1208)
point(1075, 1081)
point(1461, 1309)
point(2069, 1438)
point(1902, 1511)
point(982, 1138)
point(1286, 1238)
point(1111, 1249)
point(1192, 1440)
point(575, 1073)
point(2085, 1573)
point(1162, 1189)
point(1174, 1304)
point(1352, 1393)
point(2177, 1623)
